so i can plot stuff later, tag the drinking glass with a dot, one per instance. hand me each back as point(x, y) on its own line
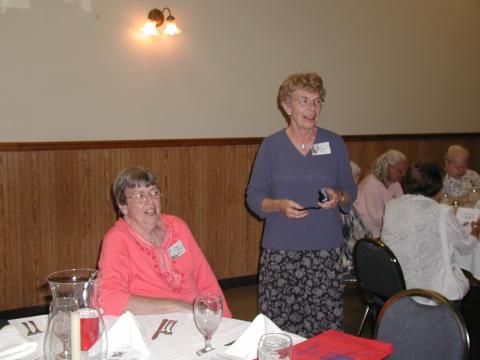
point(61, 313)
point(274, 346)
point(445, 199)
point(207, 312)
point(474, 196)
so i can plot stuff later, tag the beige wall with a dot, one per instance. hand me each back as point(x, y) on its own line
point(77, 70)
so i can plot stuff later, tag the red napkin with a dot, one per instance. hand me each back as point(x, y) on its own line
point(334, 344)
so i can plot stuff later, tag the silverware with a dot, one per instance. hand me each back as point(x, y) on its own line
point(30, 332)
point(167, 330)
point(160, 327)
point(37, 330)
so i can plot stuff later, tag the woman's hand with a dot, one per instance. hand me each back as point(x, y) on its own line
point(334, 199)
point(289, 208)
point(292, 210)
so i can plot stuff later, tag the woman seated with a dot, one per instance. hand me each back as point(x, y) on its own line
point(379, 187)
point(459, 179)
point(424, 234)
point(150, 262)
point(426, 237)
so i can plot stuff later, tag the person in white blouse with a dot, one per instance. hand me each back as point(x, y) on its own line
point(425, 235)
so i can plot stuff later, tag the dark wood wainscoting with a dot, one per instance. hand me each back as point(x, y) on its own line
point(55, 200)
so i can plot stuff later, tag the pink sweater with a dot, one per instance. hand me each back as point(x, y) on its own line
point(371, 200)
point(130, 265)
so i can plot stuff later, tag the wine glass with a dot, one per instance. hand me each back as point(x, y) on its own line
point(273, 346)
point(207, 312)
point(61, 312)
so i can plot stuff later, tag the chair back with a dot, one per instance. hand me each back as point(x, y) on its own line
point(428, 330)
point(378, 272)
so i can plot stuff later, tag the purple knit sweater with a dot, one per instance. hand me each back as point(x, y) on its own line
point(280, 171)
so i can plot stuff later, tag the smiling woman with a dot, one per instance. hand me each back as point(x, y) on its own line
point(300, 266)
point(150, 262)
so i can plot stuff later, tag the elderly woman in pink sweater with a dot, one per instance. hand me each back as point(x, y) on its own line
point(150, 262)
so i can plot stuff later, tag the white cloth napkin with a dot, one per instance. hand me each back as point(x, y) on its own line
point(246, 345)
point(14, 345)
point(127, 333)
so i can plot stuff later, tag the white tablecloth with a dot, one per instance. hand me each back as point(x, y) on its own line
point(470, 262)
point(181, 345)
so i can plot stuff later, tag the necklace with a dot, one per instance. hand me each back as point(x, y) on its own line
point(306, 140)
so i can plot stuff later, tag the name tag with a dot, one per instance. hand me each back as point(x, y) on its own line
point(176, 250)
point(321, 148)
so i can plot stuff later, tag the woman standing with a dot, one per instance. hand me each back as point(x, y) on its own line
point(300, 285)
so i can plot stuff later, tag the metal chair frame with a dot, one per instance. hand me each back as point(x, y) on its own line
point(377, 280)
point(432, 297)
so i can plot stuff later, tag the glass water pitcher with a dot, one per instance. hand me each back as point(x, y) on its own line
point(83, 334)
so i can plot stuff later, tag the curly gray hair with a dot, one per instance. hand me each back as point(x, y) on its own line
point(379, 167)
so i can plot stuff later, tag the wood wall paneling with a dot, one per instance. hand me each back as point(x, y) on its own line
point(55, 200)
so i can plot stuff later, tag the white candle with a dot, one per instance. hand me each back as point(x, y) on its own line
point(75, 335)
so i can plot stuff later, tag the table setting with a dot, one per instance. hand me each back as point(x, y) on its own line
point(130, 337)
point(467, 210)
point(77, 329)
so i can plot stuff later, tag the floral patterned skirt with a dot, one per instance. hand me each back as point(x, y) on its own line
point(302, 291)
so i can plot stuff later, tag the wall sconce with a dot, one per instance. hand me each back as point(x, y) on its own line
point(156, 18)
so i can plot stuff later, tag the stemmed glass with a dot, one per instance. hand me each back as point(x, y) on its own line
point(61, 312)
point(207, 312)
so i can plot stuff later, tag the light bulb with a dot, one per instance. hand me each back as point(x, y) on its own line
point(150, 28)
point(171, 28)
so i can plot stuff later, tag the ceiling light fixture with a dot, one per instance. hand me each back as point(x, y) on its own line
point(156, 18)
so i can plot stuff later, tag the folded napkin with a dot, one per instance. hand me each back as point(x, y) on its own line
point(333, 344)
point(126, 333)
point(246, 345)
point(14, 345)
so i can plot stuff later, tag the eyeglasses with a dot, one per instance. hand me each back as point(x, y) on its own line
point(304, 101)
point(141, 197)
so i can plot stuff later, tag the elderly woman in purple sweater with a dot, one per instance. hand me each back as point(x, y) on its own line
point(300, 286)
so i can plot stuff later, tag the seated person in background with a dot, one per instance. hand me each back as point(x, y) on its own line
point(150, 262)
point(353, 227)
point(422, 243)
point(425, 235)
point(379, 187)
point(459, 180)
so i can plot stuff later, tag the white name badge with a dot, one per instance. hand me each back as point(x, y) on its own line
point(176, 250)
point(321, 148)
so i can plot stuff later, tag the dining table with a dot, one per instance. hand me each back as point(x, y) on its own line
point(181, 344)
point(471, 261)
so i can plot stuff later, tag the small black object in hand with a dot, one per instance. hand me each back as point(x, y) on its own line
point(322, 195)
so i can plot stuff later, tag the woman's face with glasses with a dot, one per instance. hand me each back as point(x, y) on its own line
point(143, 206)
point(304, 108)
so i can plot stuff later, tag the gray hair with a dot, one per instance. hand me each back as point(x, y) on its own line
point(131, 177)
point(356, 170)
point(379, 167)
point(456, 151)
